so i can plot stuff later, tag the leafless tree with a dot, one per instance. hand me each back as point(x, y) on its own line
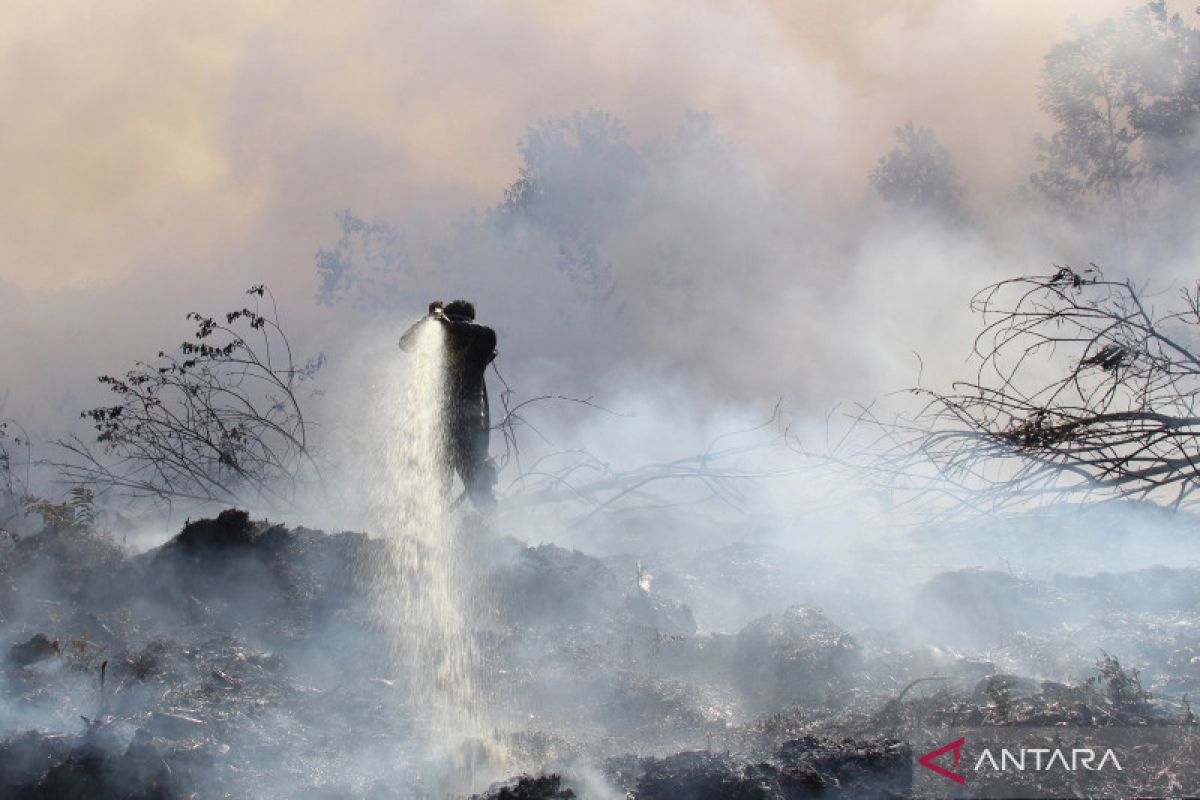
point(220, 421)
point(1084, 389)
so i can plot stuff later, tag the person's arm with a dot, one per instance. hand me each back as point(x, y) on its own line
point(487, 345)
point(488, 341)
point(409, 340)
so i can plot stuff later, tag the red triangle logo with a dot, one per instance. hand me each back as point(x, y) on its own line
point(955, 746)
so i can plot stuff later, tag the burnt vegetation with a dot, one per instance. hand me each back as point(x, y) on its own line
point(14, 473)
point(1084, 388)
point(220, 421)
point(202, 664)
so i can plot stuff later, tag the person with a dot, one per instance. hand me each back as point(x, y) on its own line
point(470, 347)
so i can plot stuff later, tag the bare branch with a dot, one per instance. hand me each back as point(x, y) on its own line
point(1118, 417)
point(218, 422)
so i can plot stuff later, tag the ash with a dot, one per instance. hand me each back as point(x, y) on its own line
point(246, 659)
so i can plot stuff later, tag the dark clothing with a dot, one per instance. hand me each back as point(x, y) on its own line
point(470, 347)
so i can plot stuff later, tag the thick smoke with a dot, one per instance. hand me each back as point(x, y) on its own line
point(275, 144)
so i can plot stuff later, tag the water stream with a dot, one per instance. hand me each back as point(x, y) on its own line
point(420, 577)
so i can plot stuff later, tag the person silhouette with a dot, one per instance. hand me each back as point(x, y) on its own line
point(470, 347)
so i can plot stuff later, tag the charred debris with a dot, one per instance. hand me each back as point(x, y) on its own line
point(241, 655)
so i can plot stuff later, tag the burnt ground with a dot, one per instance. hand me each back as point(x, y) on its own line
point(243, 659)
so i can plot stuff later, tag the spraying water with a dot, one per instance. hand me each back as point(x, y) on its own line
point(420, 574)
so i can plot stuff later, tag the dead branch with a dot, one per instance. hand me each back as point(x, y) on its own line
point(578, 478)
point(218, 422)
point(16, 461)
point(1116, 418)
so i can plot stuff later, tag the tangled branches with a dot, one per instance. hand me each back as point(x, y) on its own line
point(218, 422)
point(580, 480)
point(1083, 389)
point(15, 461)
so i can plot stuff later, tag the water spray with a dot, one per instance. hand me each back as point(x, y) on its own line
point(419, 575)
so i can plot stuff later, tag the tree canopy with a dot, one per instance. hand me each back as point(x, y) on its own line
point(1124, 96)
point(918, 174)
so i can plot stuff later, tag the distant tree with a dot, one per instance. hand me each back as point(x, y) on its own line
point(367, 264)
point(576, 182)
point(584, 189)
point(219, 422)
point(918, 174)
point(1167, 115)
point(559, 156)
point(1125, 97)
point(695, 141)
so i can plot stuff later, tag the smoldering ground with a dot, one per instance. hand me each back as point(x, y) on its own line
point(251, 659)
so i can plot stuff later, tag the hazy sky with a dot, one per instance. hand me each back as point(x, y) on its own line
point(155, 150)
point(143, 134)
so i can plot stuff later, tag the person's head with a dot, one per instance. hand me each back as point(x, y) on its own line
point(462, 309)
